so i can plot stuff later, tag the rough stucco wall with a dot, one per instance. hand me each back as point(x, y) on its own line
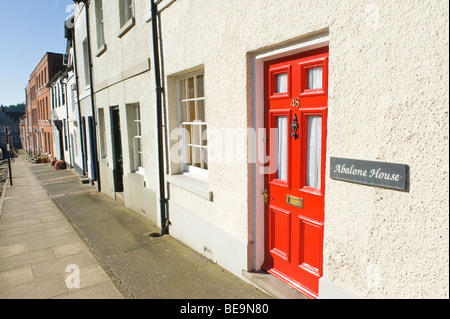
point(219, 36)
point(112, 74)
point(388, 101)
point(85, 106)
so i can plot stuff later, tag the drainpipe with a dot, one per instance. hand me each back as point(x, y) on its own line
point(75, 69)
point(94, 139)
point(67, 137)
point(159, 91)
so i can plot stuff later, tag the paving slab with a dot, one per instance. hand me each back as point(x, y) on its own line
point(71, 241)
point(13, 277)
point(141, 266)
point(41, 255)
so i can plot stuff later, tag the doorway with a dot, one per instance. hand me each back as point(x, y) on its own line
point(117, 149)
point(295, 119)
point(92, 154)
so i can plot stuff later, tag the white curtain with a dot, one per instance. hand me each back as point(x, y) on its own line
point(314, 152)
point(315, 78)
point(282, 83)
point(282, 141)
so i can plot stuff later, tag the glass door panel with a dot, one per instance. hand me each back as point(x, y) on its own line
point(314, 151)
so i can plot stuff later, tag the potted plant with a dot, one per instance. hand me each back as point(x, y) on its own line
point(60, 165)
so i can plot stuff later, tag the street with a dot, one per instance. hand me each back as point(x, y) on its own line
point(51, 221)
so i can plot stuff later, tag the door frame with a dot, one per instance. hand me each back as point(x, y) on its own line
point(258, 61)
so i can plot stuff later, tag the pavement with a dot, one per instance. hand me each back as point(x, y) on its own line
point(63, 239)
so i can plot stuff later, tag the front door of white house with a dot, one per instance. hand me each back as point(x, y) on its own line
point(295, 117)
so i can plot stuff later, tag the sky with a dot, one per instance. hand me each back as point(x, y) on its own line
point(28, 30)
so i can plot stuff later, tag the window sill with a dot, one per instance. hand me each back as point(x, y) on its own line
point(101, 50)
point(126, 27)
point(138, 178)
point(191, 184)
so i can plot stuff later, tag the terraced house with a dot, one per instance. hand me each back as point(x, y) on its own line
point(38, 106)
point(304, 141)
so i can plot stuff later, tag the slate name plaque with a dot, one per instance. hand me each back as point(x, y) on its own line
point(379, 174)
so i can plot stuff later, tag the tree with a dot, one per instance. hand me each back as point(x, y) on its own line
point(17, 108)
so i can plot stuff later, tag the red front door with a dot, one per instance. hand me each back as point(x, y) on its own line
point(296, 100)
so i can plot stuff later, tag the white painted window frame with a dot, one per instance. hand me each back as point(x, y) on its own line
point(190, 170)
point(127, 16)
point(100, 24)
point(138, 165)
point(102, 133)
point(128, 10)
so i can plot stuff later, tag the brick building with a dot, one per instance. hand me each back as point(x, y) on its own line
point(38, 106)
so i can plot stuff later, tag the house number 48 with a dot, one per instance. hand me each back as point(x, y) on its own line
point(295, 102)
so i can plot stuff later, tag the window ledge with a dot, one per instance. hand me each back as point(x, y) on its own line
point(191, 184)
point(138, 178)
point(126, 27)
point(101, 50)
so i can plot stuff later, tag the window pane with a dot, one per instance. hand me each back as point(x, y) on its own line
point(191, 111)
point(200, 89)
point(128, 9)
point(141, 159)
point(138, 144)
point(187, 133)
point(282, 141)
point(200, 116)
point(137, 113)
point(182, 90)
point(195, 137)
point(137, 128)
point(196, 160)
point(204, 158)
point(183, 117)
point(314, 152)
point(204, 136)
point(315, 78)
point(191, 88)
point(187, 155)
point(282, 83)
point(136, 121)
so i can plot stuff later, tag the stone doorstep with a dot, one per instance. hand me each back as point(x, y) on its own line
point(272, 285)
point(84, 180)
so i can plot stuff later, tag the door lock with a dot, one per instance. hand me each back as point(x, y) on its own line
point(266, 195)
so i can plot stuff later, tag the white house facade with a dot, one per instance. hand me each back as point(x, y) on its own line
point(304, 139)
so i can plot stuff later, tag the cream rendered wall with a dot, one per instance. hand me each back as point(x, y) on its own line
point(388, 101)
point(85, 103)
point(122, 76)
point(72, 109)
point(57, 113)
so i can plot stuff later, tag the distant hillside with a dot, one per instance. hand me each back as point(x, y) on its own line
point(14, 111)
point(18, 108)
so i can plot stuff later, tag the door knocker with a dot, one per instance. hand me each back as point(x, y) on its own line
point(294, 127)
